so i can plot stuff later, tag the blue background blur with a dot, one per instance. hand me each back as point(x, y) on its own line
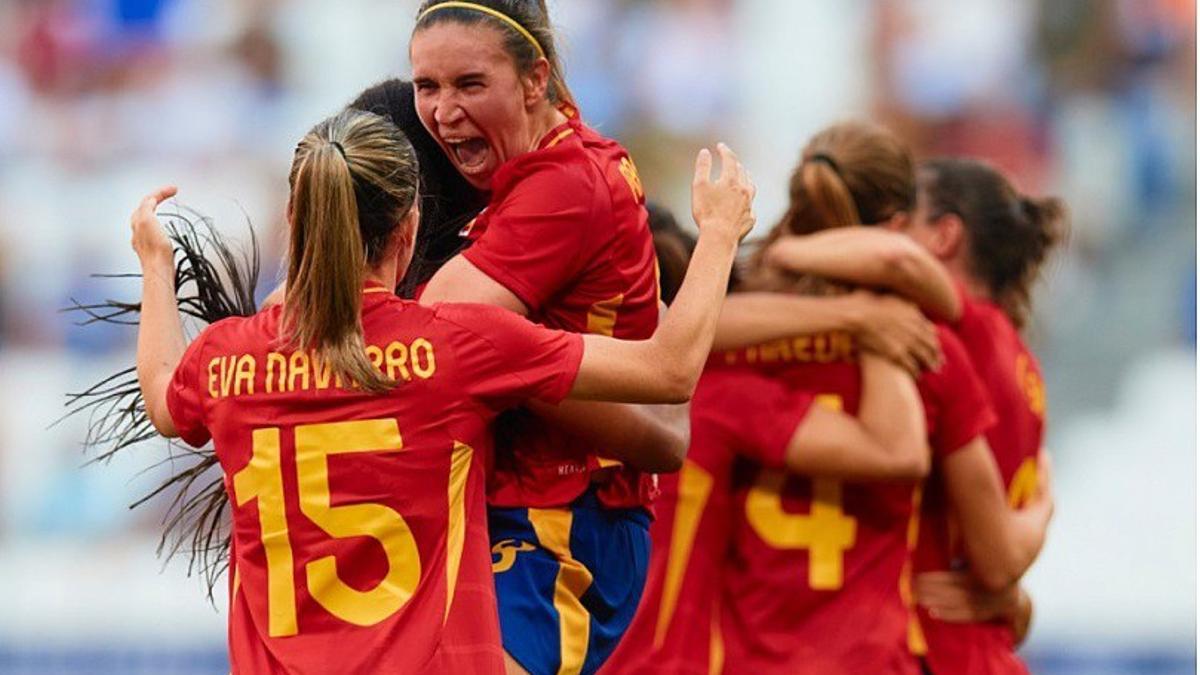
point(1092, 100)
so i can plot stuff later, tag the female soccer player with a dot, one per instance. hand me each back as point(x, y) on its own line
point(347, 420)
point(852, 538)
point(740, 415)
point(563, 240)
point(993, 240)
point(999, 543)
point(643, 436)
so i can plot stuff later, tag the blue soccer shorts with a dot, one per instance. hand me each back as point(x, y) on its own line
point(568, 581)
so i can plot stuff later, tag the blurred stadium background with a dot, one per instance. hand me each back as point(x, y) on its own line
point(1094, 100)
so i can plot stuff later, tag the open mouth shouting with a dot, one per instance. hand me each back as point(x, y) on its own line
point(470, 154)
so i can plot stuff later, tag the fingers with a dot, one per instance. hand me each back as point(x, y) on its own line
point(927, 350)
point(947, 596)
point(731, 168)
point(704, 162)
point(943, 578)
point(162, 194)
point(902, 356)
point(745, 180)
point(150, 202)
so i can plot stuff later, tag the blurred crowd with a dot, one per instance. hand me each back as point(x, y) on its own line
point(1091, 100)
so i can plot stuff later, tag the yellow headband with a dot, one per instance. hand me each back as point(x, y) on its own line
point(490, 12)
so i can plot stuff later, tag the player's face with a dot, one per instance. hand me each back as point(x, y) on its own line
point(470, 97)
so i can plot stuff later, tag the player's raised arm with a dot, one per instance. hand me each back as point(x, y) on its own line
point(665, 368)
point(872, 256)
point(884, 324)
point(160, 343)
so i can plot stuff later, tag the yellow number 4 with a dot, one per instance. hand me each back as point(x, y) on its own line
point(826, 531)
point(262, 479)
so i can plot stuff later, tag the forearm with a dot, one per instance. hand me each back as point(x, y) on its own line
point(684, 338)
point(160, 343)
point(872, 257)
point(753, 318)
point(1029, 534)
point(1001, 563)
point(634, 434)
point(664, 368)
point(891, 411)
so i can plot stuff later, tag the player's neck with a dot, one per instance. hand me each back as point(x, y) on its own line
point(974, 287)
point(384, 274)
point(542, 123)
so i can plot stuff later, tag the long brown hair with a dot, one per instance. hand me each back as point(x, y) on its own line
point(353, 180)
point(532, 16)
point(851, 173)
point(1009, 235)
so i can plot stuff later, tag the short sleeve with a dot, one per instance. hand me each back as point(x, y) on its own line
point(758, 415)
point(185, 397)
point(958, 405)
point(507, 359)
point(535, 242)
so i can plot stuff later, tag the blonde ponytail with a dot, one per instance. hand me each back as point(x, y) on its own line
point(353, 180)
point(851, 173)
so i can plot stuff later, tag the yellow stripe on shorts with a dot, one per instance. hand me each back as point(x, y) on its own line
point(553, 529)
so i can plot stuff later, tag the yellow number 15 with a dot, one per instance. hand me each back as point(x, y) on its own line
point(262, 479)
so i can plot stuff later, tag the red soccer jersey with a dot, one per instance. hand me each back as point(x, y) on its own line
point(735, 412)
point(816, 579)
point(567, 232)
point(1013, 380)
point(359, 522)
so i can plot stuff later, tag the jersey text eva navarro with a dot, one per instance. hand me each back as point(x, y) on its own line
point(287, 372)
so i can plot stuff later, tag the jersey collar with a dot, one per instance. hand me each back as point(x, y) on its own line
point(562, 131)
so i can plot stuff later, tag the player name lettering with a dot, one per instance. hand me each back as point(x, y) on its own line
point(819, 348)
point(286, 372)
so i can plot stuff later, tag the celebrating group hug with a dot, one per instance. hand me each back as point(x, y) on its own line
point(503, 417)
